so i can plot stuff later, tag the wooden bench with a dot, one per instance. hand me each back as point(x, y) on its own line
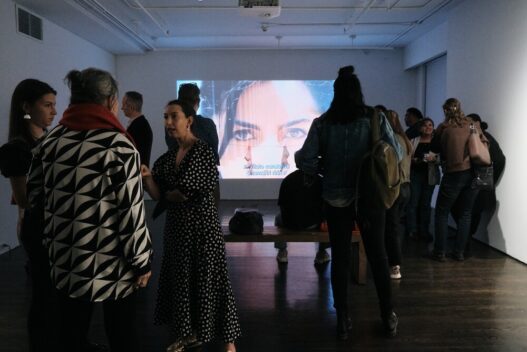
point(279, 234)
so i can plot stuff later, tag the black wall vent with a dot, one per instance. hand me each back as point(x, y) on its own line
point(29, 24)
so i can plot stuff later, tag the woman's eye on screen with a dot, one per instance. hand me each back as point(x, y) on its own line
point(295, 133)
point(244, 134)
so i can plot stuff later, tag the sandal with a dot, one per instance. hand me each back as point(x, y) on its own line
point(176, 347)
point(185, 343)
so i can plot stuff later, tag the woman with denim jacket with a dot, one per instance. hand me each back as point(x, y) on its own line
point(336, 143)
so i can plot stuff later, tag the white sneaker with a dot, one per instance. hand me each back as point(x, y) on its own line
point(281, 257)
point(395, 272)
point(322, 257)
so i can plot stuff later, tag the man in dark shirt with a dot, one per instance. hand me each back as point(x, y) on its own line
point(138, 127)
point(412, 119)
point(202, 127)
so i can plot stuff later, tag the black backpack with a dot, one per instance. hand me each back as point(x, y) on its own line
point(300, 204)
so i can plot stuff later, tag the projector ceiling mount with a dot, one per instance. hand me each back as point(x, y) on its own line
point(260, 8)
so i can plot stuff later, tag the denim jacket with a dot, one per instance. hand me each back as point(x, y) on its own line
point(336, 150)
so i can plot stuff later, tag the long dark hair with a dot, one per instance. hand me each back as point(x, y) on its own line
point(26, 92)
point(348, 101)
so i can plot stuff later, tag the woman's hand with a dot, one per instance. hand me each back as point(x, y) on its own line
point(145, 171)
point(142, 280)
point(175, 196)
point(430, 157)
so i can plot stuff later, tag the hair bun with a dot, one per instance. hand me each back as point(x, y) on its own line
point(75, 75)
point(346, 71)
point(74, 79)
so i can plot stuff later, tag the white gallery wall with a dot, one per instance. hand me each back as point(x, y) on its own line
point(154, 74)
point(487, 70)
point(49, 60)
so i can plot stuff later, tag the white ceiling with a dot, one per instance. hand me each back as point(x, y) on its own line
point(135, 26)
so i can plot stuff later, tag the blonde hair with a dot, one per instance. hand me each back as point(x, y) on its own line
point(395, 123)
point(454, 116)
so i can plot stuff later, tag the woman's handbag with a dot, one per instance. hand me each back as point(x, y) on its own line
point(478, 151)
point(483, 177)
point(246, 221)
point(434, 175)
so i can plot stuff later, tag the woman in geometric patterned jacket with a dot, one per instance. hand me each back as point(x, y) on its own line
point(87, 171)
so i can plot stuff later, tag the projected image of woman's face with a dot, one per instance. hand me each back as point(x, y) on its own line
point(271, 121)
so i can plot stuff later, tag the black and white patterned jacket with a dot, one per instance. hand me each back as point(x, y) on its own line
point(95, 228)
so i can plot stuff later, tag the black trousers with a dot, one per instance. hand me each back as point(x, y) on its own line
point(41, 318)
point(371, 221)
point(394, 229)
point(119, 323)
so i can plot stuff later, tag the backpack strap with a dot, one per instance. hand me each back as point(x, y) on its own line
point(375, 128)
point(322, 135)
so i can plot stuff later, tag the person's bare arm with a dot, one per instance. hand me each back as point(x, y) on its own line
point(18, 185)
point(149, 184)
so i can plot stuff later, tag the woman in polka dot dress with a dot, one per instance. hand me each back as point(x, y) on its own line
point(195, 297)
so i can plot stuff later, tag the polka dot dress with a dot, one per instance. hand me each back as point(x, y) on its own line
point(194, 295)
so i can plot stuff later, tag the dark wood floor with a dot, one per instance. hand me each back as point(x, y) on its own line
point(476, 305)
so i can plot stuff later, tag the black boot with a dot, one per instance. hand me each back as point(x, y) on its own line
point(343, 325)
point(390, 324)
point(94, 347)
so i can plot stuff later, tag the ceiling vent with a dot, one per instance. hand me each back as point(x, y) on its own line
point(260, 8)
point(28, 23)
